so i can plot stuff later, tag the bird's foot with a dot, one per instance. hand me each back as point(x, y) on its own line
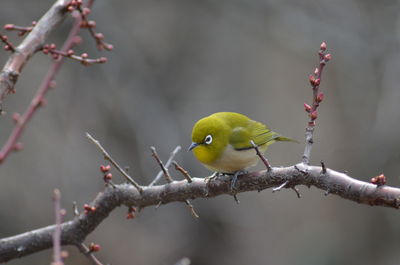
point(235, 177)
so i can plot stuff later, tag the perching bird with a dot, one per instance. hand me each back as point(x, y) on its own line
point(221, 142)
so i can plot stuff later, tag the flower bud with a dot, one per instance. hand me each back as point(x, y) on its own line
point(9, 26)
point(328, 57)
point(104, 168)
point(323, 46)
point(108, 177)
point(320, 97)
point(314, 115)
point(307, 107)
point(311, 78)
point(94, 247)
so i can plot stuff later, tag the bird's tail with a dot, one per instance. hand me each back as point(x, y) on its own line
point(285, 139)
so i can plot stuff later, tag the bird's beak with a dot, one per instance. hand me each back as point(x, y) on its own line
point(193, 145)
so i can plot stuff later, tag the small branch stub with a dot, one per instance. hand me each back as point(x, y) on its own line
point(160, 163)
point(183, 171)
point(169, 161)
point(261, 156)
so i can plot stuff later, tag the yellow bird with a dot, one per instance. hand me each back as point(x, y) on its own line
point(221, 142)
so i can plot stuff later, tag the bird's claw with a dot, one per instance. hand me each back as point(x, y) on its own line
point(213, 176)
point(235, 177)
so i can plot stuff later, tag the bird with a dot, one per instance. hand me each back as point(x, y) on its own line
point(222, 142)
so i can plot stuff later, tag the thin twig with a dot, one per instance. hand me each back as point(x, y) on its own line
point(83, 58)
point(169, 161)
point(39, 98)
point(191, 208)
point(20, 29)
point(86, 251)
point(160, 163)
point(115, 164)
point(318, 97)
point(297, 192)
point(280, 186)
point(261, 156)
point(31, 44)
point(8, 45)
point(183, 171)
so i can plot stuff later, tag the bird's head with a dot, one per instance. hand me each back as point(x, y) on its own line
point(210, 137)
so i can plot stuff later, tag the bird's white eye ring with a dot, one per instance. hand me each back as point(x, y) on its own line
point(208, 139)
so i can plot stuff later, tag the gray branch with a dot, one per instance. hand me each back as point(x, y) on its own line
point(31, 44)
point(75, 231)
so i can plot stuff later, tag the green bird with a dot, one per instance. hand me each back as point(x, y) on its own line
point(221, 141)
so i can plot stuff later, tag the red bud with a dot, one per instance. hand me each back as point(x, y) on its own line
point(94, 247)
point(323, 46)
point(105, 169)
point(379, 180)
point(9, 26)
point(108, 177)
point(91, 24)
point(89, 208)
point(327, 57)
point(109, 47)
point(18, 146)
point(314, 115)
point(307, 107)
point(311, 78)
point(99, 36)
point(317, 82)
point(16, 116)
point(320, 97)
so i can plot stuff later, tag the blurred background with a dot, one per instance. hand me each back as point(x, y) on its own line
point(176, 61)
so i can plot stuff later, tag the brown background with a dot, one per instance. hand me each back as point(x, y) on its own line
point(176, 61)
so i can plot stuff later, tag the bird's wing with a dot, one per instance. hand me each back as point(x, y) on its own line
point(256, 131)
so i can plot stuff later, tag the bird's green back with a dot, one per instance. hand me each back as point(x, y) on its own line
point(244, 130)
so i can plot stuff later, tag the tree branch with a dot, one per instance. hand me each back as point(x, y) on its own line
point(38, 99)
point(31, 44)
point(75, 231)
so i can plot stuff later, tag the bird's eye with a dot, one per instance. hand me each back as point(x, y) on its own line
point(208, 139)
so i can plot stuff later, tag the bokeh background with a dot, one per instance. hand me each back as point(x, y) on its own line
point(176, 61)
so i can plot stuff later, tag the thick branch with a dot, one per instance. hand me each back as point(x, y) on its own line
point(31, 44)
point(76, 230)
